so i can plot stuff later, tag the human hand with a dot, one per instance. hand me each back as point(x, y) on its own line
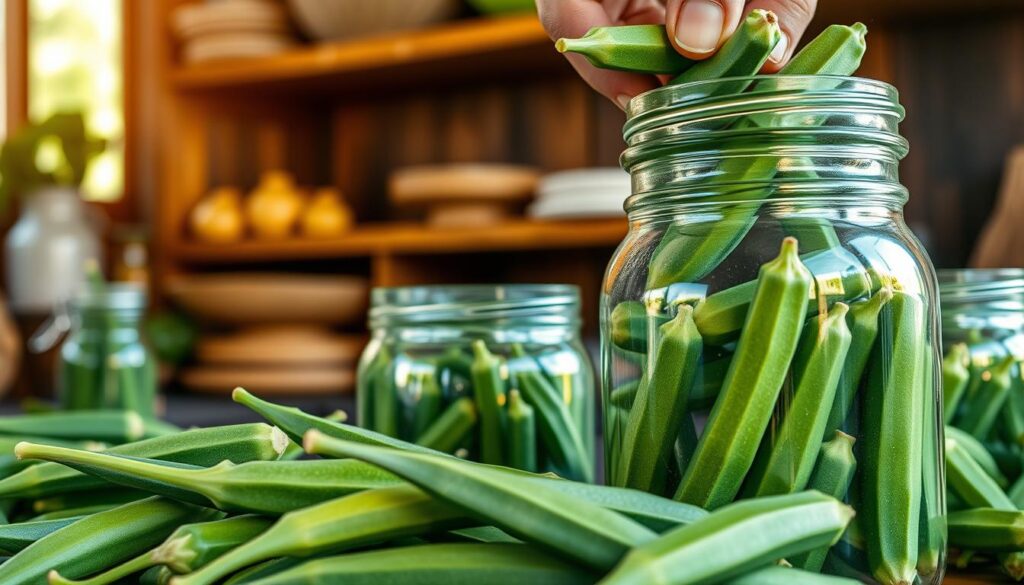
point(697, 28)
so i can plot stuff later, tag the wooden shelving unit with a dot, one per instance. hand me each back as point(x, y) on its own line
point(467, 49)
point(415, 239)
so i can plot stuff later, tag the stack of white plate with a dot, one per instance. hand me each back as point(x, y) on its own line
point(581, 193)
point(230, 29)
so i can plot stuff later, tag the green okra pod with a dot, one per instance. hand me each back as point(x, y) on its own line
point(585, 532)
point(9, 464)
point(489, 393)
point(659, 409)
point(786, 461)
point(987, 530)
point(296, 423)
point(970, 482)
point(642, 48)
point(788, 576)
point(451, 428)
point(382, 389)
point(758, 369)
point(262, 570)
point(494, 564)
point(982, 409)
point(624, 395)
point(100, 541)
point(15, 537)
point(72, 513)
point(955, 377)
point(862, 320)
point(428, 404)
point(108, 495)
point(187, 549)
point(833, 474)
point(932, 528)
point(737, 539)
point(522, 434)
point(1012, 416)
point(238, 443)
point(891, 431)
point(744, 54)
point(559, 436)
point(261, 487)
point(687, 253)
point(361, 519)
point(631, 325)
point(110, 426)
point(838, 276)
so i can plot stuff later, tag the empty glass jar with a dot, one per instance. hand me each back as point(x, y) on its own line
point(770, 324)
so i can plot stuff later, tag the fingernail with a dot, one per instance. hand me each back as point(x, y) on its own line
point(623, 101)
point(780, 49)
point(699, 26)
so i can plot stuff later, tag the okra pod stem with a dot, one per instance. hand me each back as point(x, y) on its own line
point(261, 487)
point(642, 48)
point(238, 443)
point(660, 406)
point(758, 369)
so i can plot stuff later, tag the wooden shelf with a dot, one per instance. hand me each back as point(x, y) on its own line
point(415, 239)
point(466, 48)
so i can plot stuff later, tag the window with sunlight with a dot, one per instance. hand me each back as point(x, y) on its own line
point(76, 63)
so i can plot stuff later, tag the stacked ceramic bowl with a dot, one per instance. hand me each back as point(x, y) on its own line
point(581, 193)
point(231, 29)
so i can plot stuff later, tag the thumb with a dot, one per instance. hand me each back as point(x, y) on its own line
point(794, 16)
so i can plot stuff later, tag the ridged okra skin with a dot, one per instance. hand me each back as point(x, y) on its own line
point(741, 414)
point(892, 431)
point(955, 378)
point(833, 475)
point(643, 48)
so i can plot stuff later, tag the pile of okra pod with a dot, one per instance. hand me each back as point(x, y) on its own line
point(983, 396)
point(484, 407)
point(229, 505)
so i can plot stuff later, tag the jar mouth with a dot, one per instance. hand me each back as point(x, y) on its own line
point(114, 297)
point(702, 139)
point(555, 305)
point(980, 285)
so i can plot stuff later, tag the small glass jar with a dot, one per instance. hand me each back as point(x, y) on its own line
point(769, 313)
point(983, 367)
point(495, 373)
point(104, 362)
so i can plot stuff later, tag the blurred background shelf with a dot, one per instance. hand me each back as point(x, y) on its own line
point(415, 239)
point(467, 49)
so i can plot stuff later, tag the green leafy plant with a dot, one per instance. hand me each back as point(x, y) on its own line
point(56, 151)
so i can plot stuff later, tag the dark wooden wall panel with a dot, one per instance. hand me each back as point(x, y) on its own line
point(962, 82)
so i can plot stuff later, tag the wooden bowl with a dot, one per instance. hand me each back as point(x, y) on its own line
point(331, 20)
point(280, 346)
point(269, 298)
point(269, 381)
point(458, 195)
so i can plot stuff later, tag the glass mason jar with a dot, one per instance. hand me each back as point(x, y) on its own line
point(983, 367)
point(495, 373)
point(104, 362)
point(770, 324)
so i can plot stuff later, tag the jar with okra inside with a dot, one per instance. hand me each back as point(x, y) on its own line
point(105, 361)
point(983, 363)
point(770, 324)
point(492, 373)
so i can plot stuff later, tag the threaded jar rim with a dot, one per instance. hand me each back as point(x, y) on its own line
point(513, 305)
